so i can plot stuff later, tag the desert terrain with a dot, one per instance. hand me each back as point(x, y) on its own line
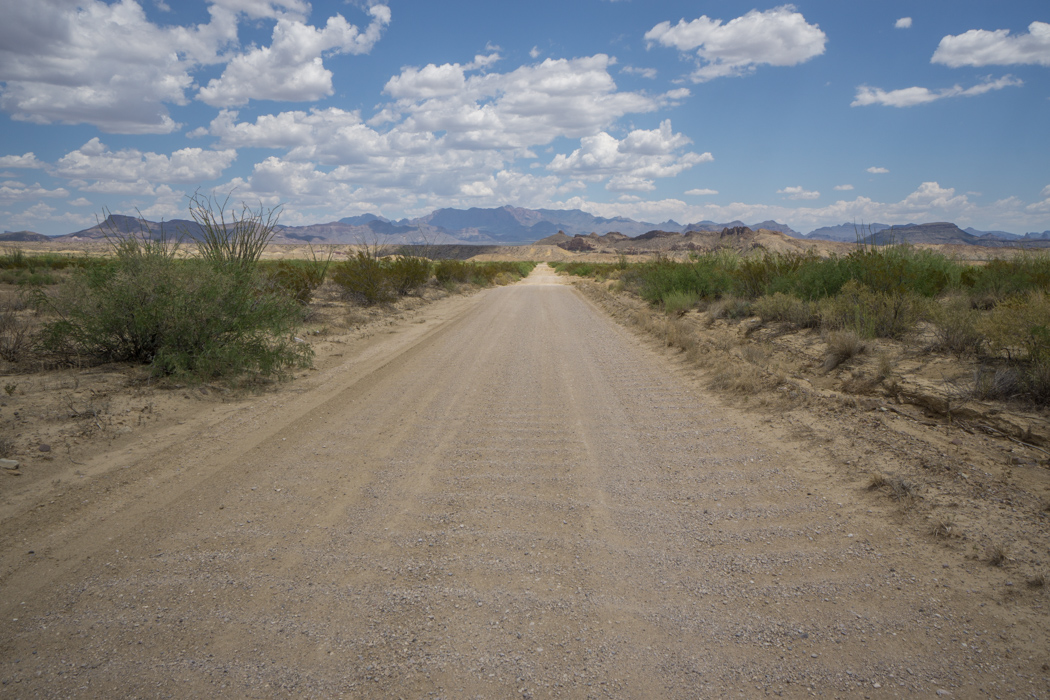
point(518, 492)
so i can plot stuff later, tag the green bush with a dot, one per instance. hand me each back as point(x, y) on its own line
point(186, 318)
point(787, 308)
point(871, 314)
point(364, 279)
point(956, 321)
point(680, 302)
point(408, 273)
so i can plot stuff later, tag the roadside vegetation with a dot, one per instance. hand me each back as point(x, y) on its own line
point(201, 310)
point(997, 313)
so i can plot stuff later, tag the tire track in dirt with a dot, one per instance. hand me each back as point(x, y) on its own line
point(527, 502)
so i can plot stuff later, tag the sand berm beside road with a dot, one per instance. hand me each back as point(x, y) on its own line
point(516, 498)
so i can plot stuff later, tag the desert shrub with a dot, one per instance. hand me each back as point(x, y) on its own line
point(452, 271)
point(784, 307)
point(869, 313)
point(230, 238)
point(407, 273)
point(182, 317)
point(956, 323)
point(705, 276)
point(994, 383)
point(1000, 279)
point(296, 278)
point(16, 336)
point(1019, 327)
point(679, 302)
point(756, 275)
point(364, 279)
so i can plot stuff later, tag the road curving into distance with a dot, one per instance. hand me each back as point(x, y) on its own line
point(518, 498)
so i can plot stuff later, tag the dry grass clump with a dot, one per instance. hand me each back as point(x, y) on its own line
point(1037, 581)
point(729, 307)
point(744, 380)
point(842, 346)
point(944, 527)
point(904, 492)
point(998, 554)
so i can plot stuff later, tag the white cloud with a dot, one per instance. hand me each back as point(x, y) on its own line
point(909, 97)
point(529, 106)
point(701, 192)
point(535, 52)
point(632, 163)
point(95, 168)
point(13, 191)
point(106, 64)
point(875, 170)
point(27, 160)
point(649, 73)
point(80, 202)
point(979, 47)
point(843, 188)
point(903, 23)
point(1045, 194)
point(777, 37)
point(291, 68)
point(103, 64)
point(798, 192)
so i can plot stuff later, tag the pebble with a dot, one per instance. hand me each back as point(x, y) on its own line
point(44, 448)
point(9, 463)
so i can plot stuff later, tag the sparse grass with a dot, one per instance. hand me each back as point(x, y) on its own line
point(877, 482)
point(7, 447)
point(998, 554)
point(1037, 581)
point(944, 527)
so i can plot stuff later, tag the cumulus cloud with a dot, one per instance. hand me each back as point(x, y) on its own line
point(701, 192)
point(632, 163)
point(1045, 194)
point(843, 188)
point(777, 37)
point(14, 191)
point(799, 192)
point(529, 106)
point(27, 160)
point(103, 64)
point(95, 168)
point(979, 47)
point(875, 170)
point(106, 64)
point(903, 23)
point(909, 97)
point(291, 68)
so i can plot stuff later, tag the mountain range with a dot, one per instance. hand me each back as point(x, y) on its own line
point(515, 226)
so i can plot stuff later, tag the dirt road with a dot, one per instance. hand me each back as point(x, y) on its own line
point(517, 498)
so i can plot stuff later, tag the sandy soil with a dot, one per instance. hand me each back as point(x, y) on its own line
point(499, 495)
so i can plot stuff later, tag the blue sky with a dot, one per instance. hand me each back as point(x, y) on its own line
point(812, 114)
